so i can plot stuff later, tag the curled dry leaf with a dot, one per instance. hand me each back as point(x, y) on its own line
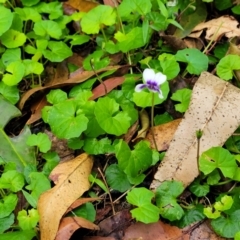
point(145, 123)
point(215, 110)
point(163, 134)
point(216, 28)
point(69, 225)
point(71, 179)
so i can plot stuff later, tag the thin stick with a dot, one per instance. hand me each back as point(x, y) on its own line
point(152, 122)
point(110, 197)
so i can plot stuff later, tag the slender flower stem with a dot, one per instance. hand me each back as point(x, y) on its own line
point(152, 122)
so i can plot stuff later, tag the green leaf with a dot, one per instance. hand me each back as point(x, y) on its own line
point(11, 55)
point(162, 118)
point(134, 162)
point(54, 9)
point(12, 180)
point(57, 51)
point(131, 40)
point(166, 200)
point(27, 13)
point(16, 72)
point(39, 183)
point(144, 98)
point(95, 147)
point(41, 140)
point(110, 118)
point(169, 65)
point(56, 96)
point(11, 93)
point(217, 157)
point(75, 143)
point(210, 213)
point(78, 39)
point(23, 235)
point(183, 96)
point(93, 179)
point(145, 212)
point(142, 7)
point(197, 62)
point(14, 149)
point(86, 211)
point(192, 215)
point(52, 159)
point(227, 226)
point(92, 21)
point(64, 122)
point(32, 67)
point(6, 222)
point(227, 65)
point(13, 39)
point(47, 28)
point(28, 221)
point(199, 189)
point(225, 203)
point(6, 18)
point(117, 179)
point(157, 21)
point(7, 205)
point(29, 3)
point(96, 61)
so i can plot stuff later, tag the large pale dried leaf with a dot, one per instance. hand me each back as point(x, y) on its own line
point(71, 179)
point(69, 225)
point(215, 110)
point(163, 134)
point(216, 28)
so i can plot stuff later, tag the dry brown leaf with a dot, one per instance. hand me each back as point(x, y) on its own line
point(71, 179)
point(69, 225)
point(163, 134)
point(76, 77)
point(82, 5)
point(154, 231)
point(216, 28)
point(215, 110)
point(145, 123)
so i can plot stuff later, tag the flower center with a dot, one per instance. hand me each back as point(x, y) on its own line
point(152, 85)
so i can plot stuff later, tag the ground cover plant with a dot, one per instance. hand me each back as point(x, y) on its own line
point(96, 78)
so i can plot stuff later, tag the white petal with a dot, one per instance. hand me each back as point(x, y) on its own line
point(160, 78)
point(140, 87)
point(160, 94)
point(148, 74)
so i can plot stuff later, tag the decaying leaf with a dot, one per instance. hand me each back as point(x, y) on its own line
point(71, 179)
point(215, 110)
point(216, 28)
point(82, 5)
point(69, 225)
point(163, 134)
point(145, 123)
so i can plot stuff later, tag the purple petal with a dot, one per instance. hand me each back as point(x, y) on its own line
point(140, 87)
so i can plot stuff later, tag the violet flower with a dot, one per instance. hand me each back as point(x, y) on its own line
point(152, 81)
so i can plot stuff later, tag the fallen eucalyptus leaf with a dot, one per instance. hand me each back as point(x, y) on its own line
point(71, 179)
point(215, 110)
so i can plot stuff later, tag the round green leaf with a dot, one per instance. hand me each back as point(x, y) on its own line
point(217, 157)
point(47, 28)
point(8, 204)
point(197, 62)
point(32, 67)
point(13, 39)
point(227, 65)
point(64, 122)
point(98, 16)
point(29, 3)
point(11, 55)
point(6, 18)
point(58, 51)
point(41, 140)
point(16, 72)
point(11, 93)
point(110, 119)
point(28, 14)
point(28, 221)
